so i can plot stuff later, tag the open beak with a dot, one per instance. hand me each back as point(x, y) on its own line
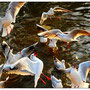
point(35, 54)
point(41, 21)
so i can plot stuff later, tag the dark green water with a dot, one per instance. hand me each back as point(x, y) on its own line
point(25, 34)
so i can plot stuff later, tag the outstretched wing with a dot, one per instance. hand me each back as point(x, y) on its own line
point(28, 50)
point(1, 67)
point(50, 34)
point(23, 66)
point(78, 32)
point(61, 9)
point(14, 8)
point(41, 28)
point(83, 69)
point(6, 50)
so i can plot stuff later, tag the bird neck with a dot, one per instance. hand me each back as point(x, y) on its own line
point(35, 58)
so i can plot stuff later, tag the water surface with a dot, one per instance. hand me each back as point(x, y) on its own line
point(25, 34)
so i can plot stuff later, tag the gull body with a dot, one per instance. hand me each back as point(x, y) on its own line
point(43, 40)
point(56, 83)
point(52, 43)
point(38, 68)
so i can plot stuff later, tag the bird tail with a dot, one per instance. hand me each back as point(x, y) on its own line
point(7, 31)
point(36, 80)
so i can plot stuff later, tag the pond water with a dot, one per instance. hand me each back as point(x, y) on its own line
point(25, 34)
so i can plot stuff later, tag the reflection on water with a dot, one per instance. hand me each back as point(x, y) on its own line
point(25, 34)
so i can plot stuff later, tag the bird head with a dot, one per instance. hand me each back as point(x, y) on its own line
point(43, 17)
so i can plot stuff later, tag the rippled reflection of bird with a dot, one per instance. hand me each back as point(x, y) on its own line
point(60, 65)
point(56, 83)
point(10, 57)
point(51, 12)
point(10, 17)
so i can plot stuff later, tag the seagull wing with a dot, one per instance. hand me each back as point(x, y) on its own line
point(41, 28)
point(78, 32)
point(50, 34)
point(28, 50)
point(1, 67)
point(25, 52)
point(61, 9)
point(83, 69)
point(24, 67)
point(7, 50)
point(74, 76)
point(14, 8)
point(43, 17)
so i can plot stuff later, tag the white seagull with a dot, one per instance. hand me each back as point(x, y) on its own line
point(52, 42)
point(10, 57)
point(56, 83)
point(75, 78)
point(60, 65)
point(10, 17)
point(51, 12)
point(64, 36)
